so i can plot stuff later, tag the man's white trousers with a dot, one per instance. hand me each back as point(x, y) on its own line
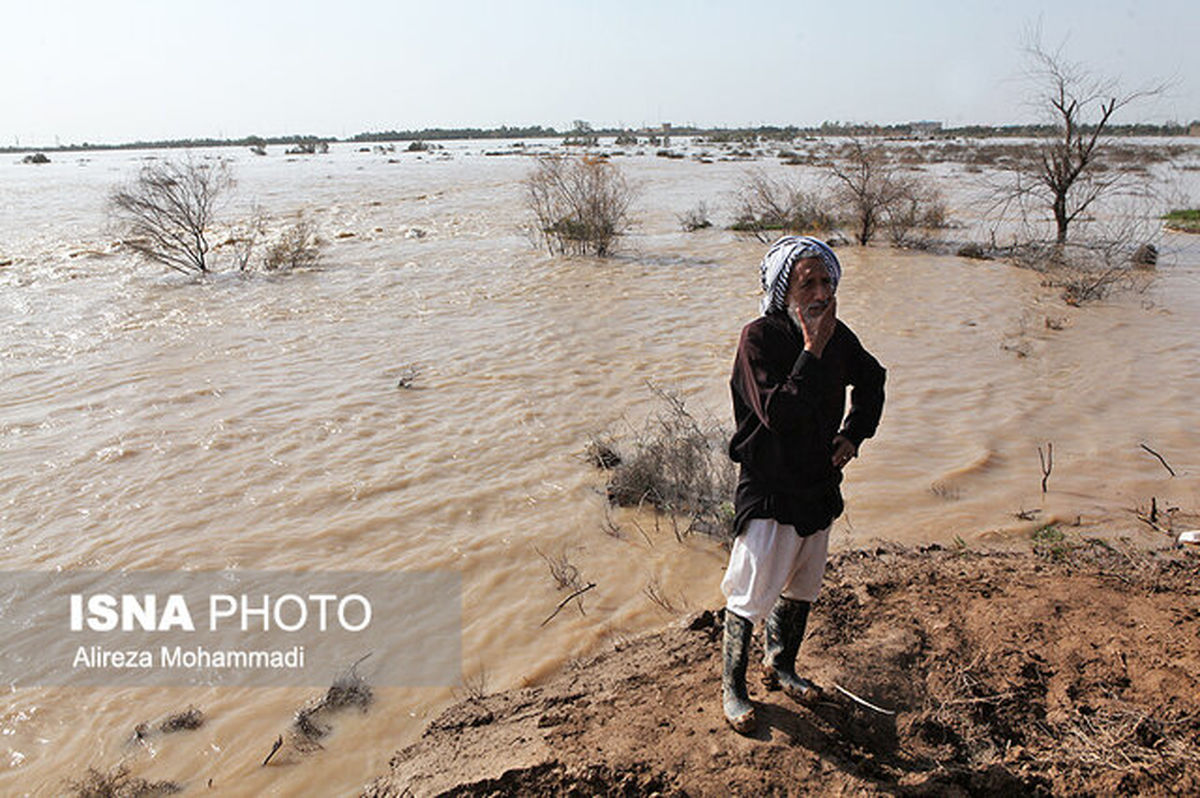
point(769, 560)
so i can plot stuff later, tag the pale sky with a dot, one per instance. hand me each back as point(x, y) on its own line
point(122, 70)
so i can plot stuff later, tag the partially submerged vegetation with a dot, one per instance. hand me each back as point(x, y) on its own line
point(675, 464)
point(767, 207)
point(580, 206)
point(1183, 221)
point(312, 721)
point(119, 783)
point(168, 215)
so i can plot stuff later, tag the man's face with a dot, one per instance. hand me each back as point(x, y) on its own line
point(810, 288)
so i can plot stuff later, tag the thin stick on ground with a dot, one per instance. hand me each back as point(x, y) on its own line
point(565, 601)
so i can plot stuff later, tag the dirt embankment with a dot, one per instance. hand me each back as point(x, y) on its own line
point(1073, 670)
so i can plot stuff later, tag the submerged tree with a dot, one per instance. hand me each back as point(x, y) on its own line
point(167, 210)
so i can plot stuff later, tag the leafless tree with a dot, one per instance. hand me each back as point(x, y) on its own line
point(167, 210)
point(580, 205)
point(1067, 173)
point(919, 211)
point(868, 185)
point(881, 195)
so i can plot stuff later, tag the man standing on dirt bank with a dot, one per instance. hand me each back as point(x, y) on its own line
point(793, 439)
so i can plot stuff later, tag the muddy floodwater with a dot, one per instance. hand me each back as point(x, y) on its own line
point(257, 421)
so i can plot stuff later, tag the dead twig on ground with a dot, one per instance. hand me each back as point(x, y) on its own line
point(1151, 518)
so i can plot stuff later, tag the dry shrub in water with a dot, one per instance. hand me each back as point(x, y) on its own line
point(679, 467)
point(580, 205)
point(167, 214)
point(695, 219)
point(187, 720)
point(167, 210)
point(910, 222)
point(767, 207)
point(1088, 270)
point(564, 572)
point(311, 724)
point(880, 195)
point(296, 247)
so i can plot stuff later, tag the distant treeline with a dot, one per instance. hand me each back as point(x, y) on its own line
point(746, 134)
point(442, 133)
point(248, 141)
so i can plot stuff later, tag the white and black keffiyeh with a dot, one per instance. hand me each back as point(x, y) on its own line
point(776, 267)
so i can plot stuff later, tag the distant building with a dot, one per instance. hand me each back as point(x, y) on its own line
point(1194, 130)
point(924, 130)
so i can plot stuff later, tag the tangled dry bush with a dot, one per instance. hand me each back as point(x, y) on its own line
point(350, 689)
point(296, 247)
point(695, 218)
point(580, 205)
point(118, 783)
point(1083, 271)
point(768, 207)
point(879, 194)
point(679, 467)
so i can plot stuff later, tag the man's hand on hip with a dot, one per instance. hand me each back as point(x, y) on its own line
point(843, 450)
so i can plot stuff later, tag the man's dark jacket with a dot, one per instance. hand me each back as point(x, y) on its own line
point(788, 405)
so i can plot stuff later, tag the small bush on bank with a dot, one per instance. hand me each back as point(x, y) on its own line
point(679, 467)
point(580, 205)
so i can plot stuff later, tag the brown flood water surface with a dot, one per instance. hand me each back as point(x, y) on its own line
point(255, 422)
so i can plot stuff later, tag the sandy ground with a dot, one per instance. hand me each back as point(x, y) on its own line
point(1073, 669)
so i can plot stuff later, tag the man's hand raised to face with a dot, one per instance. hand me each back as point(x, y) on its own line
point(817, 322)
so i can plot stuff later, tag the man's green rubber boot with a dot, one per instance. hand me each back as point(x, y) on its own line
point(784, 631)
point(738, 709)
